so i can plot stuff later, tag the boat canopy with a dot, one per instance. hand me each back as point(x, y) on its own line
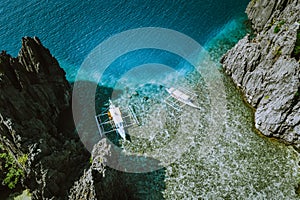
point(116, 115)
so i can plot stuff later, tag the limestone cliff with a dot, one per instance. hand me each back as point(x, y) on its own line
point(36, 120)
point(266, 67)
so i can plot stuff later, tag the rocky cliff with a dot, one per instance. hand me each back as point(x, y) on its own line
point(266, 67)
point(36, 121)
point(38, 134)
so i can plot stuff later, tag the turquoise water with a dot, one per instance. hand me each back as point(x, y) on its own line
point(219, 156)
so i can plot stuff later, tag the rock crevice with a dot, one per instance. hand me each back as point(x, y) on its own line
point(266, 69)
point(34, 94)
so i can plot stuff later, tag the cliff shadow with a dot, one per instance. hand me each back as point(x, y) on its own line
point(130, 186)
point(117, 183)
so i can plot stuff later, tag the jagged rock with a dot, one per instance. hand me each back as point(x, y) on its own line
point(262, 11)
point(266, 70)
point(34, 114)
point(84, 188)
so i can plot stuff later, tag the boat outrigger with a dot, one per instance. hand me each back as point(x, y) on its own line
point(181, 96)
point(112, 120)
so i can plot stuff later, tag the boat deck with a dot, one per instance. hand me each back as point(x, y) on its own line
point(106, 124)
point(179, 98)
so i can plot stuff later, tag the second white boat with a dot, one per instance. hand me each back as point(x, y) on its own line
point(182, 97)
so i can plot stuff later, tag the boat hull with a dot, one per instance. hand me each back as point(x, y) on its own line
point(180, 96)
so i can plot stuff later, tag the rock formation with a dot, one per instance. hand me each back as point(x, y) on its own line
point(266, 67)
point(36, 121)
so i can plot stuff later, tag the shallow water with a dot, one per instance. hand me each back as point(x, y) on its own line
point(212, 153)
point(225, 162)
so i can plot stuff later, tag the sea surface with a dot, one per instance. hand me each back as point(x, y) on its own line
point(218, 153)
point(72, 29)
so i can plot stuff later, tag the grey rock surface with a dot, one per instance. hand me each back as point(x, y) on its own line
point(266, 69)
point(84, 188)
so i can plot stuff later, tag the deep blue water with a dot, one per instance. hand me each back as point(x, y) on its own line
point(71, 29)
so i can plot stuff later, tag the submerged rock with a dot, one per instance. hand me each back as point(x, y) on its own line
point(266, 69)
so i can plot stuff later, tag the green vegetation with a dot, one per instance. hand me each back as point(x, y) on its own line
point(297, 95)
point(276, 29)
point(253, 2)
point(22, 160)
point(12, 171)
point(296, 52)
point(277, 51)
point(278, 26)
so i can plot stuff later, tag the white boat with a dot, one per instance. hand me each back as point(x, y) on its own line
point(181, 97)
point(112, 119)
point(115, 114)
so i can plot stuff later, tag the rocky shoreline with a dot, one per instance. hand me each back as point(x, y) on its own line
point(266, 68)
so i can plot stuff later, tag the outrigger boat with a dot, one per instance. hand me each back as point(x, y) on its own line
point(113, 117)
point(186, 97)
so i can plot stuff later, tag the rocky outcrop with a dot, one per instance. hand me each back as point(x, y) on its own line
point(36, 120)
point(267, 67)
point(260, 12)
point(102, 182)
